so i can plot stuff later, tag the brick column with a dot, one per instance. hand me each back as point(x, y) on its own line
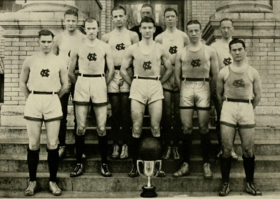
point(20, 33)
point(260, 28)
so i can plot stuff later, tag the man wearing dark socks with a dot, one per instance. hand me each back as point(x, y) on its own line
point(91, 85)
point(146, 88)
point(193, 66)
point(238, 93)
point(43, 81)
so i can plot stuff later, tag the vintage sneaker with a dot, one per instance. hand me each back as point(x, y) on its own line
point(30, 191)
point(77, 171)
point(62, 152)
point(225, 189)
point(251, 189)
point(207, 171)
point(234, 155)
point(56, 191)
point(116, 152)
point(183, 171)
point(167, 153)
point(133, 173)
point(176, 154)
point(124, 153)
point(105, 170)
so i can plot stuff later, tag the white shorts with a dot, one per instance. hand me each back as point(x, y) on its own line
point(117, 84)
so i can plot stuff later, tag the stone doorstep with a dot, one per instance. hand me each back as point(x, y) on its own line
point(17, 163)
point(93, 182)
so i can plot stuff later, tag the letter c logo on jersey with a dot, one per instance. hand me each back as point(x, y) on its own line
point(173, 49)
point(91, 57)
point(196, 63)
point(147, 65)
point(45, 72)
point(227, 61)
point(120, 46)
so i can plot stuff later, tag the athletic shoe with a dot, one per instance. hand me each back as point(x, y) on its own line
point(225, 189)
point(167, 153)
point(62, 152)
point(220, 153)
point(77, 171)
point(234, 155)
point(124, 153)
point(133, 173)
point(56, 191)
point(30, 191)
point(116, 152)
point(176, 154)
point(105, 170)
point(207, 171)
point(251, 189)
point(183, 171)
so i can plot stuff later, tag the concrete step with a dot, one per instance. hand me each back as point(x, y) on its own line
point(17, 163)
point(94, 182)
point(19, 146)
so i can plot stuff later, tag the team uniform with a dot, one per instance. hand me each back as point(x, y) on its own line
point(44, 82)
point(237, 108)
point(146, 89)
point(195, 88)
point(224, 57)
point(91, 87)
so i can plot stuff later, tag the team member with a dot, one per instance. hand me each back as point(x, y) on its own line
point(224, 59)
point(173, 40)
point(118, 90)
point(91, 85)
point(43, 80)
point(193, 65)
point(146, 11)
point(236, 85)
point(146, 88)
point(64, 43)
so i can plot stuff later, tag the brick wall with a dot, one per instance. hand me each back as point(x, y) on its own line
point(106, 16)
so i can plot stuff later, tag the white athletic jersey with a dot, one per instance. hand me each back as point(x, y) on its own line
point(44, 74)
point(224, 57)
point(119, 44)
point(173, 43)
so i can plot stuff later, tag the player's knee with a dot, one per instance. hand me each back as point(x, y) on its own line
point(226, 152)
point(203, 128)
point(155, 130)
point(34, 147)
point(52, 146)
point(248, 152)
point(81, 131)
point(136, 131)
point(187, 130)
point(101, 130)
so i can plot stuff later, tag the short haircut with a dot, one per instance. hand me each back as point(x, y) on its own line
point(91, 20)
point(170, 10)
point(71, 12)
point(147, 6)
point(148, 20)
point(226, 19)
point(236, 41)
point(45, 32)
point(118, 8)
point(191, 22)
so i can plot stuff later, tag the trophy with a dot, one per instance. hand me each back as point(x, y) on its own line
point(149, 164)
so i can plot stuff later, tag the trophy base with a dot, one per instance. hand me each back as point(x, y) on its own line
point(148, 192)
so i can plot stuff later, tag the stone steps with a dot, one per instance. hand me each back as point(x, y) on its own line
point(17, 163)
point(94, 182)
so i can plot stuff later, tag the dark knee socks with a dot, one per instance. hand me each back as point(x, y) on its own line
point(32, 161)
point(186, 147)
point(80, 142)
point(225, 164)
point(249, 167)
point(205, 147)
point(53, 159)
point(134, 149)
point(103, 147)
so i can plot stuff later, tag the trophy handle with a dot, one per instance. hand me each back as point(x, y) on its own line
point(138, 161)
point(159, 169)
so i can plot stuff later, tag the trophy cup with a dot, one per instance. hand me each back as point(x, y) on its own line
point(149, 164)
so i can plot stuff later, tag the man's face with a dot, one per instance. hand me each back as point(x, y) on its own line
point(170, 19)
point(147, 30)
point(91, 30)
point(227, 29)
point(146, 12)
point(194, 32)
point(238, 52)
point(70, 22)
point(119, 18)
point(46, 43)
